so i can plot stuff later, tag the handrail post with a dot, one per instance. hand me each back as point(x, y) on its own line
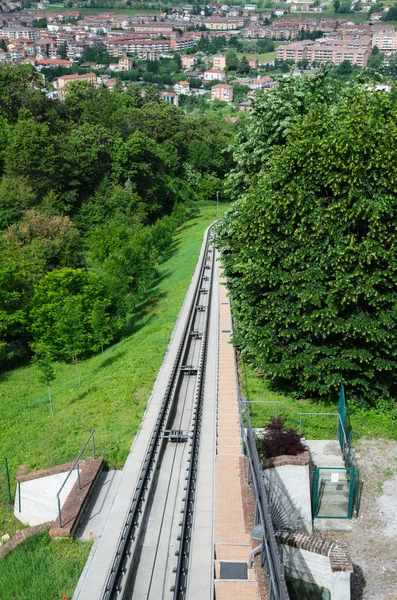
point(8, 481)
point(78, 475)
point(276, 409)
point(300, 424)
point(59, 513)
point(19, 496)
point(93, 443)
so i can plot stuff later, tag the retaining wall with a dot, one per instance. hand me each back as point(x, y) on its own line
point(317, 560)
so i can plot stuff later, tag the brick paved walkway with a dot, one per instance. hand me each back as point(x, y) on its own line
point(232, 541)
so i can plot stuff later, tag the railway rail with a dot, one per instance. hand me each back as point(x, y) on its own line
point(152, 558)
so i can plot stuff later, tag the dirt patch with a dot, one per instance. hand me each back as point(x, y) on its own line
point(373, 541)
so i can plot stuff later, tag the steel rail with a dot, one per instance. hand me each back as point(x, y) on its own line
point(187, 522)
point(131, 524)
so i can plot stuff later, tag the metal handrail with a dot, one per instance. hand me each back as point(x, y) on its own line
point(269, 552)
point(305, 414)
point(76, 462)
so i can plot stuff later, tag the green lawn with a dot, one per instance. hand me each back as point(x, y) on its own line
point(114, 386)
point(262, 58)
point(363, 423)
point(42, 568)
point(356, 17)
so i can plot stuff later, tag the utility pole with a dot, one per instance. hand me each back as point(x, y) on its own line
point(217, 204)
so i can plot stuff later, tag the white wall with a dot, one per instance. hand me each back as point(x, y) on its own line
point(38, 498)
point(315, 568)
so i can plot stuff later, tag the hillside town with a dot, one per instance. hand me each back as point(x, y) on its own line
point(61, 41)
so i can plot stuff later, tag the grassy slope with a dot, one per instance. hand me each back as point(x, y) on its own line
point(42, 568)
point(363, 423)
point(114, 386)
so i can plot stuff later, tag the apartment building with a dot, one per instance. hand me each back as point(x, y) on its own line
point(63, 82)
point(17, 33)
point(222, 91)
point(188, 61)
point(386, 41)
point(182, 87)
point(219, 62)
point(224, 23)
point(322, 51)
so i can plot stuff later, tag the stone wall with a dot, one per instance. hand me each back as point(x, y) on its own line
point(317, 560)
point(20, 537)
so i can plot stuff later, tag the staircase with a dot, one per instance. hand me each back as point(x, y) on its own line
point(333, 486)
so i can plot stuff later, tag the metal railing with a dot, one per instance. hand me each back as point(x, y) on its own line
point(341, 433)
point(75, 464)
point(270, 556)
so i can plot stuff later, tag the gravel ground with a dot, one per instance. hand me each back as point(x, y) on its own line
point(373, 541)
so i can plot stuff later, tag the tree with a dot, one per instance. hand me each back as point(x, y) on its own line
point(61, 312)
point(232, 61)
point(345, 68)
point(243, 66)
point(44, 361)
point(3, 45)
point(391, 14)
point(336, 4)
point(63, 50)
point(101, 324)
point(376, 59)
point(41, 23)
point(310, 252)
point(275, 114)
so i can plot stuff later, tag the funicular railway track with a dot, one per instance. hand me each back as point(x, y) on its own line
point(152, 559)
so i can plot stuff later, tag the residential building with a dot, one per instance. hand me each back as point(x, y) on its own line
point(170, 97)
point(182, 87)
point(386, 41)
point(53, 62)
point(125, 63)
point(335, 51)
point(63, 82)
point(188, 61)
point(222, 91)
point(253, 62)
point(214, 74)
point(224, 23)
point(17, 33)
point(219, 62)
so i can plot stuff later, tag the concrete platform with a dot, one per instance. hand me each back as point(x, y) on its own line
point(99, 505)
point(325, 453)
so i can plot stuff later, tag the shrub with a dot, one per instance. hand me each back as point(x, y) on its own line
point(280, 441)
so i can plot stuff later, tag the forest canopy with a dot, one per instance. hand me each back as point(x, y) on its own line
point(310, 247)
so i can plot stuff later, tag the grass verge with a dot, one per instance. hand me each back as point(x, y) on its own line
point(115, 386)
point(42, 568)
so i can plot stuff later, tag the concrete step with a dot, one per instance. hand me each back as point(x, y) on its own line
point(333, 524)
point(74, 506)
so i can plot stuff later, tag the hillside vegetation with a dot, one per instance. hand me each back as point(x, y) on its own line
point(92, 190)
